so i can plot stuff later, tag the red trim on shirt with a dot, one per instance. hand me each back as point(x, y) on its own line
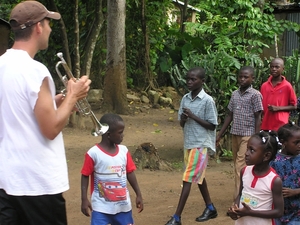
point(108, 153)
point(256, 177)
point(130, 166)
point(254, 181)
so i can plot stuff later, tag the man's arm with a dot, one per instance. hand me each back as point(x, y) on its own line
point(50, 120)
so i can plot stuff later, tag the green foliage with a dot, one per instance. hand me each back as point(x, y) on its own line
point(156, 16)
point(232, 34)
point(292, 70)
point(249, 28)
point(227, 153)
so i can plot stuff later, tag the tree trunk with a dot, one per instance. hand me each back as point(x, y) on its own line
point(76, 47)
point(65, 42)
point(94, 33)
point(147, 61)
point(72, 119)
point(115, 86)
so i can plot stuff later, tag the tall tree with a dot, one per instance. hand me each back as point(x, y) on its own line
point(147, 61)
point(91, 40)
point(115, 86)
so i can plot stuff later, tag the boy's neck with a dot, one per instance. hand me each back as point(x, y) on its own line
point(276, 80)
point(243, 89)
point(195, 92)
point(108, 147)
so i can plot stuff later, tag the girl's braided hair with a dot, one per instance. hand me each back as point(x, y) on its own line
point(270, 141)
point(286, 131)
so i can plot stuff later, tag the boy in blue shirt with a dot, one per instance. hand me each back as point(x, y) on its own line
point(198, 118)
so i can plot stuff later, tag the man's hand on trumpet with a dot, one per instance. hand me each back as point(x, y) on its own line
point(79, 88)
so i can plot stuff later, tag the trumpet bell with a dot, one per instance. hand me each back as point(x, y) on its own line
point(100, 128)
point(100, 131)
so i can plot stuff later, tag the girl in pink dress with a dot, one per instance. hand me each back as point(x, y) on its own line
point(260, 198)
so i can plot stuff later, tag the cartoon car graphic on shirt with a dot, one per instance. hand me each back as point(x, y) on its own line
point(112, 191)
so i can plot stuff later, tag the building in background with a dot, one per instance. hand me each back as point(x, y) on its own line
point(289, 41)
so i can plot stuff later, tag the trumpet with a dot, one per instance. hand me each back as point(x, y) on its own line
point(82, 105)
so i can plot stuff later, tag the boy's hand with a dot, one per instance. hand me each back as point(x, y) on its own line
point(272, 108)
point(86, 207)
point(184, 115)
point(139, 203)
point(187, 112)
point(218, 139)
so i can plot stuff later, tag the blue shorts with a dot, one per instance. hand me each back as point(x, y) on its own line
point(122, 218)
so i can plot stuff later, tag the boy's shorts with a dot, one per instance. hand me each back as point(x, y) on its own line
point(195, 161)
point(122, 218)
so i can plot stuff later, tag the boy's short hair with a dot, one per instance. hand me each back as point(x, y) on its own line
point(249, 68)
point(277, 59)
point(111, 120)
point(199, 71)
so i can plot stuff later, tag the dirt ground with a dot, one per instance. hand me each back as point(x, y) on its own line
point(160, 189)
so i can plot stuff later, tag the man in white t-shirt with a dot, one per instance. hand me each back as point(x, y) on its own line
point(33, 164)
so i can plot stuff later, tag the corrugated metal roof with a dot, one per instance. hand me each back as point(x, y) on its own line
point(291, 38)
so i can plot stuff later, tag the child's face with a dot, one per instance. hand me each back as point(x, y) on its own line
point(193, 81)
point(245, 78)
point(255, 151)
point(292, 145)
point(116, 136)
point(276, 68)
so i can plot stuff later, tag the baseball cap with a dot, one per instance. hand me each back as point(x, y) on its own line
point(28, 13)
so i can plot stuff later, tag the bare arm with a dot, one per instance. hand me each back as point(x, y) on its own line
point(276, 212)
point(287, 108)
point(134, 184)
point(257, 116)
point(231, 211)
point(226, 123)
point(86, 206)
point(59, 99)
point(50, 120)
